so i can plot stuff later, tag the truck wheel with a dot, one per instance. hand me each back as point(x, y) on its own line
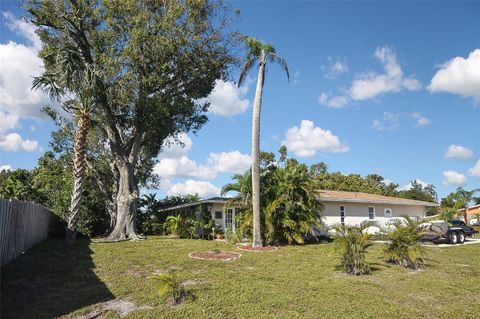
point(461, 237)
point(453, 237)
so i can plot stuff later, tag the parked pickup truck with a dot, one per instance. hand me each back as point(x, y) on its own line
point(454, 232)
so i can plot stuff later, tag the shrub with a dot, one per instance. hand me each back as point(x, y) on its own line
point(353, 241)
point(170, 286)
point(233, 237)
point(404, 248)
point(173, 224)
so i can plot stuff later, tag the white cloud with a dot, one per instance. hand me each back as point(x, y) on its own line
point(409, 185)
point(475, 170)
point(335, 68)
point(333, 101)
point(182, 167)
point(458, 152)
point(8, 122)
point(13, 142)
point(307, 140)
point(176, 147)
point(227, 99)
point(19, 63)
point(202, 188)
point(420, 119)
point(389, 122)
point(452, 178)
point(296, 76)
point(459, 76)
point(372, 84)
point(230, 162)
point(5, 168)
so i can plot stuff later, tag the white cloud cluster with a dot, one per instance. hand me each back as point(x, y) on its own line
point(389, 122)
point(420, 120)
point(230, 162)
point(8, 122)
point(175, 147)
point(174, 163)
point(452, 178)
point(5, 168)
point(308, 139)
point(13, 142)
point(458, 152)
point(335, 68)
point(182, 167)
point(370, 85)
point(18, 64)
point(335, 101)
point(459, 76)
point(202, 188)
point(475, 170)
point(227, 99)
point(409, 185)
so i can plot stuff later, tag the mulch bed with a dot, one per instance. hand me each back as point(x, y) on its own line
point(215, 255)
point(259, 249)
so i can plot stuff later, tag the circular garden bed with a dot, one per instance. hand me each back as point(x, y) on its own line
point(255, 249)
point(215, 255)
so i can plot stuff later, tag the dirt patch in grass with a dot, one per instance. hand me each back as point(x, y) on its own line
point(257, 249)
point(215, 255)
point(121, 307)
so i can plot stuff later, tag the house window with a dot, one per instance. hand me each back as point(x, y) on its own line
point(342, 215)
point(218, 215)
point(388, 212)
point(229, 219)
point(371, 212)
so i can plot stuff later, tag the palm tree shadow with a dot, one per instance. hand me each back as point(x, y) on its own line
point(51, 280)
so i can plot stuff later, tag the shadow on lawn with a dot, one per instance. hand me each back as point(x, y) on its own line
point(51, 280)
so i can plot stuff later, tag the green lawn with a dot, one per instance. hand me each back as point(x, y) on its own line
point(293, 282)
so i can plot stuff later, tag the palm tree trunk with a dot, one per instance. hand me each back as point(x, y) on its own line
point(257, 235)
point(79, 165)
point(465, 215)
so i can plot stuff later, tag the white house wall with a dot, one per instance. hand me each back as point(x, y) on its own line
point(355, 213)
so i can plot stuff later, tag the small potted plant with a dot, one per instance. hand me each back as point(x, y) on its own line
point(218, 233)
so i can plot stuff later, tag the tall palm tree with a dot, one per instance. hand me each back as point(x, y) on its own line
point(258, 53)
point(72, 83)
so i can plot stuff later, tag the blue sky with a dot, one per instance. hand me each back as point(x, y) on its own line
point(376, 87)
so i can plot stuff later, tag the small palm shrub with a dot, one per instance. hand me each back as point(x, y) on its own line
point(404, 248)
point(233, 237)
point(170, 287)
point(173, 224)
point(352, 242)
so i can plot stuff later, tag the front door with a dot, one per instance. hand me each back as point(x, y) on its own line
point(229, 219)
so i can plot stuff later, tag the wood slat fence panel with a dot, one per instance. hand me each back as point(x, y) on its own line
point(22, 225)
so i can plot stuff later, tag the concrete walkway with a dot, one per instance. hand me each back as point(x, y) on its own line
point(468, 241)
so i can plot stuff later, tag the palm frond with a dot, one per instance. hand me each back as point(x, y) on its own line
point(273, 57)
point(245, 70)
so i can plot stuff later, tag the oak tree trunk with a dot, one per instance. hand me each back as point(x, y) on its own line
point(79, 165)
point(127, 199)
point(257, 235)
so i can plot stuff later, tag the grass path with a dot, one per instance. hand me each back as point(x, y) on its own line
point(293, 282)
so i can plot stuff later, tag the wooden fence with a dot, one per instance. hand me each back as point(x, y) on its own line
point(22, 225)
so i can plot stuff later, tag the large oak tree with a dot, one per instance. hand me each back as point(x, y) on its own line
point(155, 62)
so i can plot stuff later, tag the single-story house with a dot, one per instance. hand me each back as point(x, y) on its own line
point(350, 208)
point(472, 214)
